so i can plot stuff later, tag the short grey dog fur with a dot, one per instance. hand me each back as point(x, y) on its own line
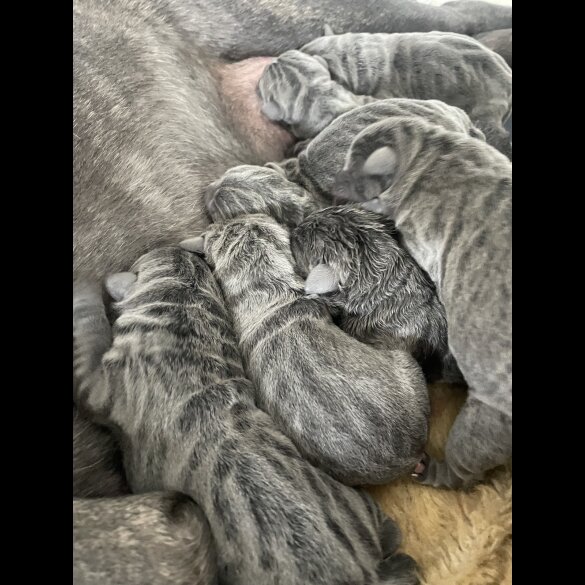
point(306, 94)
point(359, 413)
point(321, 158)
point(171, 386)
point(352, 258)
point(155, 539)
point(451, 198)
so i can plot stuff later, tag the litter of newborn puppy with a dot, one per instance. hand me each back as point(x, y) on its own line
point(275, 364)
point(357, 412)
point(168, 376)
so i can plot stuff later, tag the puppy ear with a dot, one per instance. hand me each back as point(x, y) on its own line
point(327, 30)
point(118, 285)
point(321, 280)
point(272, 111)
point(374, 205)
point(381, 162)
point(196, 245)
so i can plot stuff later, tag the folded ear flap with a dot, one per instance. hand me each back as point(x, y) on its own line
point(321, 280)
point(118, 285)
point(374, 205)
point(381, 162)
point(196, 245)
point(272, 111)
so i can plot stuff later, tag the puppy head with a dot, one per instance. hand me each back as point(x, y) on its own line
point(297, 91)
point(249, 189)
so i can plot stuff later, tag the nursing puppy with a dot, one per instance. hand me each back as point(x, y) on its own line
point(359, 413)
point(450, 197)
point(171, 386)
point(353, 260)
point(249, 189)
point(320, 159)
point(348, 70)
point(157, 538)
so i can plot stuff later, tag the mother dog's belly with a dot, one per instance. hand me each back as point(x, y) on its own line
point(238, 82)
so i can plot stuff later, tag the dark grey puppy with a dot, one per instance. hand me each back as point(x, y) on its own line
point(171, 385)
point(451, 198)
point(358, 412)
point(348, 70)
point(154, 539)
point(352, 258)
point(320, 159)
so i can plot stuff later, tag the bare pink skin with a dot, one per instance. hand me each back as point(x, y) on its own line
point(238, 82)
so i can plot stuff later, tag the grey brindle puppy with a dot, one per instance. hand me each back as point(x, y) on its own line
point(169, 381)
point(160, 109)
point(352, 257)
point(359, 413)
point(451, 196)
point(306, 94)
point(321, 158)
point(157, 538)
point(247, 189)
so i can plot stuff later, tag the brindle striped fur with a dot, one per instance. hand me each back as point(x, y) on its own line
point(451, 199)
point(359, 413)
point(172, 387)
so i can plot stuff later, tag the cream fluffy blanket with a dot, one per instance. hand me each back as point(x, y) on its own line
point(458, 538)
